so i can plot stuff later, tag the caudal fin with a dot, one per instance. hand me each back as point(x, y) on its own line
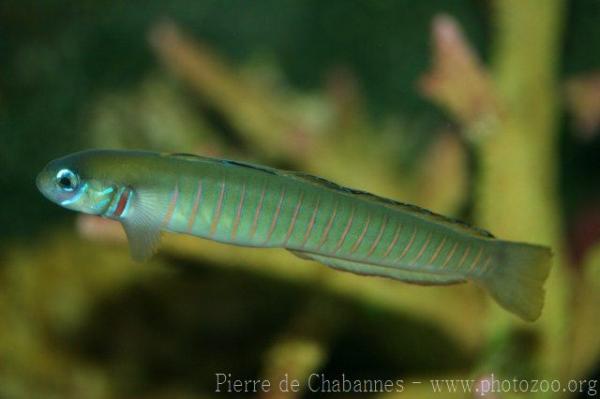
point(516, 276)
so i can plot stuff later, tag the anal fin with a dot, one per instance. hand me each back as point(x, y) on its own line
point(369, 269)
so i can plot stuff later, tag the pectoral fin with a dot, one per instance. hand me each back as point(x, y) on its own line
point(143, 240)
point(369, 269)
point(143, 223)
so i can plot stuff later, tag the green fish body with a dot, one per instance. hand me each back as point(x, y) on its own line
point(250, 205)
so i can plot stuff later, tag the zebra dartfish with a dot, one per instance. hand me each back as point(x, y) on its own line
point(250, 205)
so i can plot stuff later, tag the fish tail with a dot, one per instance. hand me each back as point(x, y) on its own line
point(516, 275)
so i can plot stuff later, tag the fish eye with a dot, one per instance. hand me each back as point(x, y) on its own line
point(66, 180)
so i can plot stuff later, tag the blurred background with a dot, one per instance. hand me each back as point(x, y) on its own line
point(488, 111)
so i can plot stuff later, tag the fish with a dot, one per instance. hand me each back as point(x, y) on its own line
point(315, 219)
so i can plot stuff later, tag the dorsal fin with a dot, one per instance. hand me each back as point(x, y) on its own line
point(188, 157)
point(261, 168)
point(368, 269)
point(193, 157)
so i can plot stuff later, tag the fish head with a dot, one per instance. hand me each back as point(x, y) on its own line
point(71, 183)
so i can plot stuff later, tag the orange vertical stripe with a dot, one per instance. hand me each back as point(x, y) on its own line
point(449, 256)
point(476, 259)
point(217, 213)
point(328, 227)
point(346, 230)
point(238, 214)
point(171, 207)
point(311, 224)
point(194, 212)
point(394, 240)
point(294, 218)
point(437, 251)
point(412, 239)
point(376, 242)
point(464, 257)
point(276, 217)
point(423, 248)
point(258, 211)
point(362, 235)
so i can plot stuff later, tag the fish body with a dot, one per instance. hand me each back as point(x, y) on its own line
point(251, 205)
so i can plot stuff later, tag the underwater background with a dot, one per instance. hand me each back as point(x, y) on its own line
point(487, 111)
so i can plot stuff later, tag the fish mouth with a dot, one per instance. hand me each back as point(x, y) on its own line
point(42, 183)
point(38, 181)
